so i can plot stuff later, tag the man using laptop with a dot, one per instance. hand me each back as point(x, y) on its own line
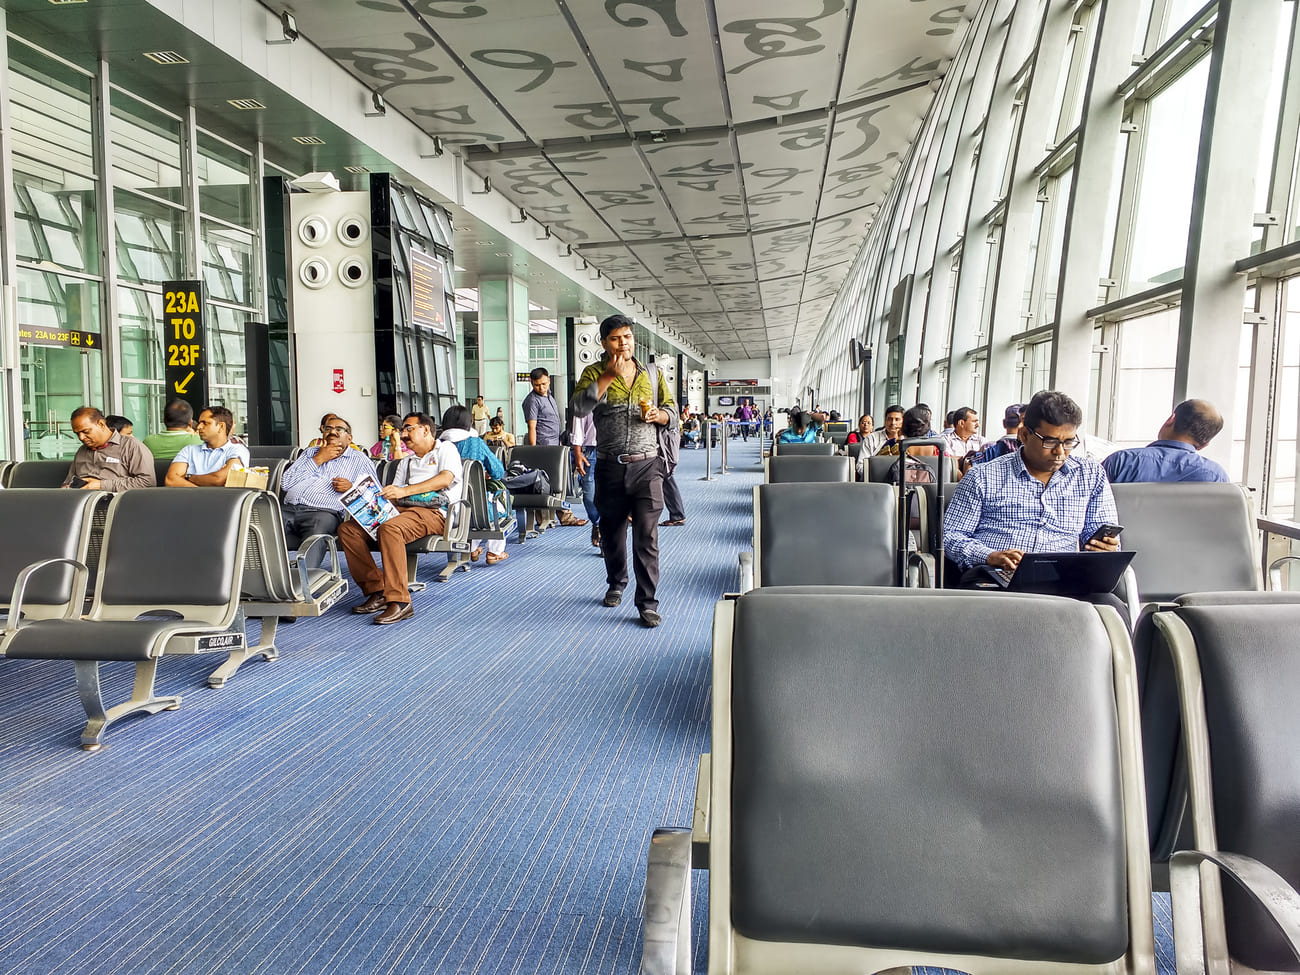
point(1037, 499)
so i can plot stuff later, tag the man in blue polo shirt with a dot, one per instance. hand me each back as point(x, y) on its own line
point(1175, 455)
point(208, 464)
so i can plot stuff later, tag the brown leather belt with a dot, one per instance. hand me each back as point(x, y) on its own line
point(633, 458)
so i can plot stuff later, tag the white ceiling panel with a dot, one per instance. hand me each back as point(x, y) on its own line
point(780, 56)
point(901, 44)
point(700, 179)
point(657, 59)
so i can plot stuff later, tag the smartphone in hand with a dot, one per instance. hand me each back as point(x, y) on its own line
point(1105, 532)
point(77, 483)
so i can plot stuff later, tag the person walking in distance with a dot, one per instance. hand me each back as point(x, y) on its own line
point(628, 411)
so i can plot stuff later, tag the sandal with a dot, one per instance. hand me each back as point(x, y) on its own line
point(494, 559)
point(473, 556)
point(674, 523)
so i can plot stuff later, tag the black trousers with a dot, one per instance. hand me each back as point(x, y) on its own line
point(302, 521)
point(673, 499)
point(636, 490)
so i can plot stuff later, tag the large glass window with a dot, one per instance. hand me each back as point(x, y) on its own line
point(1144, 381)
point(1165, 184)
point(140, 332)
point(146, 150)
point(225, 178)
point(228, 257)
point(1287, 413)
point(150, 239)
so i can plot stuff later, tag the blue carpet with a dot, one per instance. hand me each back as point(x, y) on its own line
point(471, 791)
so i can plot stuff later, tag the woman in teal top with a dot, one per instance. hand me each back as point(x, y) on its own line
point(457, 428)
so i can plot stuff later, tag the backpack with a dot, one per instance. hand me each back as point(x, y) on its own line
point(914, 472)
point(670, 434)
point(525, 480)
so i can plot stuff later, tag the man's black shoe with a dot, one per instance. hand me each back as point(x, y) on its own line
point(595, 535)
point(613, 596)
point(650, 619)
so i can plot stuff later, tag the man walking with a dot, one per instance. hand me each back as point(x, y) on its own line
point(628, 410)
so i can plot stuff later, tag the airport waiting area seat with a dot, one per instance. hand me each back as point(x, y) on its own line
point(803, 449)
point(181, 596)
point(788, 469)
point(453, 540)
point(905, 777)
point(46, 560)
point(275, 587)
point(1237, 666)
point(811, 533)
point(38, 474)
point(538, 511)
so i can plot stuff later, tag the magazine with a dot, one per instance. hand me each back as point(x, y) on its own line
point(367, 506)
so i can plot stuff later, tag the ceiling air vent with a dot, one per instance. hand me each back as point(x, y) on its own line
point(157, 57)
point(309, 140)
point(355, 169)
point(59, 3)
point(245, 104)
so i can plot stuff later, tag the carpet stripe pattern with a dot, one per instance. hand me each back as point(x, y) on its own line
point(471, 791)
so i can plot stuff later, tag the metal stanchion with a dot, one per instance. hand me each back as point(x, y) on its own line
point(726, 435)
point(706, 429)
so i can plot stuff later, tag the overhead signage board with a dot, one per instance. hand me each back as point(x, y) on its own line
point(185, 345)
point(68, 338)
point(428, 299)
point(733, 382)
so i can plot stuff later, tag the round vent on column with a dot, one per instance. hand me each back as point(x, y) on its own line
point(587, 356)
point(314, 231)
point(314, 272)
point(354, 230)
point(353, 272)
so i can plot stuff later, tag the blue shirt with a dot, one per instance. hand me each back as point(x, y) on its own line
point(307, 483)
point(202, 459)
point(791, 435)
point(999, 505)
point(543, 410)
point(1164, 460)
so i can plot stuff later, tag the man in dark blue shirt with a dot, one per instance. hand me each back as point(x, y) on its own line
point(1174, 456)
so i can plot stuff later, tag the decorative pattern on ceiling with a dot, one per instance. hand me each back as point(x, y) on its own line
point(720, 160)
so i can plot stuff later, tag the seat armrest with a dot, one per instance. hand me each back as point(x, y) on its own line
point(330, 543)
point(79, 578)
point(1265, 887)
point(746, 571)
point(1275, 571)
point(456, 525)
point(1128, 592)
point(666, 945)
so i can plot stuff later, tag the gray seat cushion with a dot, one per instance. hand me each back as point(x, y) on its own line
point(791, 469)
point(87, 639)
point(927, 770)
point(826, 534)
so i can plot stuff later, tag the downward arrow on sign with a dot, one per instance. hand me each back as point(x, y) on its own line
point(183, 385)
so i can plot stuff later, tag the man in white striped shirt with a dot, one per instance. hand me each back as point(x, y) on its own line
point(314, 484)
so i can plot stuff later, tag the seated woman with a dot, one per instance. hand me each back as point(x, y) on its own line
point(457, 428)
point(496, 435)
point(389, 446)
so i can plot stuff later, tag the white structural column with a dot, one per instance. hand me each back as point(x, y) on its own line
point(1209, 326)
point(1099, 136)
point(11, 421)
point(1014, 275)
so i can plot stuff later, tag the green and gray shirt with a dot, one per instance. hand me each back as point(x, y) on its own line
point(619, 427)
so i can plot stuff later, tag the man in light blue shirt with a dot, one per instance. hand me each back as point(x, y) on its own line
point(208, 464)
point(1038, 499)
point(1175, 455)
point(315, 483)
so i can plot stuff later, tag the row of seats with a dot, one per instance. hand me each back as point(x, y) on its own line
point(879, 468)
point(52, 473)
point(223, 559)
point(955, 780)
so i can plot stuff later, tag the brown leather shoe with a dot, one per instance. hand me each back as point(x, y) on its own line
point(373, 604)
point(394, 612)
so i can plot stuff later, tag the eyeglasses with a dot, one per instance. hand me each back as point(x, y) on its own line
point(1051, 443)
point(335, 429)
point(409, 427)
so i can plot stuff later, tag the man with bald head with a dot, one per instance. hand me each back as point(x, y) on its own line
point(1175, 454)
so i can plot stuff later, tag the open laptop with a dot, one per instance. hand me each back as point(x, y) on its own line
point(1066, 573)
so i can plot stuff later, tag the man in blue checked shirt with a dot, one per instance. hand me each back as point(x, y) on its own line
point(1037, 499)
point(315, 483)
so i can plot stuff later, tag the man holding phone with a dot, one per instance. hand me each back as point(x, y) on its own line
point(1037, 499)
point(107, 460)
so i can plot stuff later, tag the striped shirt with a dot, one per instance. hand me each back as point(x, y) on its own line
point(999, 505)
point(307, 483)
